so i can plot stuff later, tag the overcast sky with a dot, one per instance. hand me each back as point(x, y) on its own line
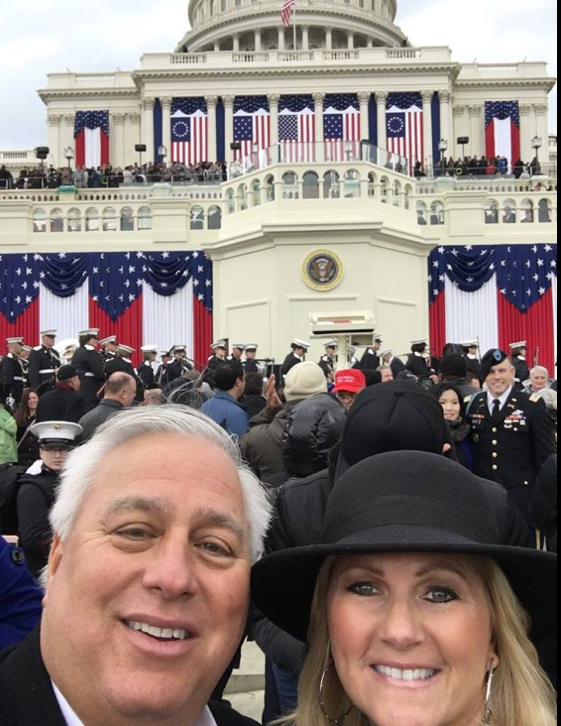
point(42, 36)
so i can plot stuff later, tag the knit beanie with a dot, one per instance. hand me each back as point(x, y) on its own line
point(304, 381)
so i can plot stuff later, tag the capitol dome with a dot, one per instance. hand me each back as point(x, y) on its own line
point(255, 25)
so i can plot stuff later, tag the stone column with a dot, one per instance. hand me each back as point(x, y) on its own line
point(229, 124)
point(428, 161)
point(527, 126)
point(67, 133)
point(305, 37)
point(282, 38)
point(148, 129)
point(236, 39)
point(370, 42)
point(132, 137)
point(475, 131)
point(542, 130)
point(381, 98)
point(56, 150)
point(445, 125)
point(257, 41)
point(166, 102)
point(329, 38)
point(351, 40)
point(118, 155)
point(319, 98)
point(274, 99)
point(216, 46)
point(212, 144)
point(460, 129)
point(364, 100)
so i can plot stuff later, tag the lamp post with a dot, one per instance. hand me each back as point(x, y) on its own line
point(163, 153)
point(537, 143)
point(443, 148)
point(69, 155)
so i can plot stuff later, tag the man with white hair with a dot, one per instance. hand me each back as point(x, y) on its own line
point(156, 524)
point(539, 379)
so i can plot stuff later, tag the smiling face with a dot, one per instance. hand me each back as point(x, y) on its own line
point(411, 638)
point(501, 378)
point(450, 405)
point(147, 599)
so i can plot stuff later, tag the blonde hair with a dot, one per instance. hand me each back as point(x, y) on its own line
point(522, 695)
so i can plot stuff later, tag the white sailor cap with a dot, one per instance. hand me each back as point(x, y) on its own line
point(11, 341)
point(110, 339)
point(520, 344)
point(251, 346)
point(165, 353)
point(126, 349)
point(385, 352)
point(377, 337)
point(420, 341)
point(470, 344)
point(331, 344)
point(56, 432)
point(48, 333)
point(219, 344)
point(90, 332)
point(149, 349)
point(27, 348)
point(179, 347)
point(239, 346)
point(298, 343)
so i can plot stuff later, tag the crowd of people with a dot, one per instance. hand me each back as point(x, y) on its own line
point(473, 166)
point(400, 516)
point(110, 177)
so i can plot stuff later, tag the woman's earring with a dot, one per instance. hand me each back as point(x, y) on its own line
point(489, 695)
point(340, 719)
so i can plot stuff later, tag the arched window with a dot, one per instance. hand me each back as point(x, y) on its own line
point(544, 211)
point(57, 220)
point(230, 202)
point(527, 208)
point(421, 213)
point(437, 213)
point(509, 212)
point(290, 185)
point(127, 219)
point(492, 213)
point(39, 221)
point(270, 188)
point(109, 219)
point(331, 185)
point(197, 218)
point(74, 220)
point(310, 185)
point(92, 219)
point(242, 196)
point(215, 218)
point(352, 184)
point(144, 218)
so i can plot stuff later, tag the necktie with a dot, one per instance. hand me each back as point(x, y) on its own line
point(496, 409)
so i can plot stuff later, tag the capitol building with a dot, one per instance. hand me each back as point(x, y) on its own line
point(333, 200)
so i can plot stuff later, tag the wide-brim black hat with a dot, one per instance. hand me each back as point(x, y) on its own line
point(405, 502)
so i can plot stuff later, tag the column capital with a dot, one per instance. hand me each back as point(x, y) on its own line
point(228, 101)
point(445, 96)
point(274, 98)
point(148, 103)
point(525, 109)
point(69, 119)
point(166, 101)
point(118, 118)
point(541, 108)
point(459, 110)
point(475, 110)
point(427, 96)
point(54, 119)
point(319, 97)
point(382, 97)
point(364, 96)
point(134, 118)
point(211, 101)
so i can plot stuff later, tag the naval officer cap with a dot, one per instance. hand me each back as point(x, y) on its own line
point(48, 333)
point(126, 349)
point(331, 344)
point(470, 344)
point(56, 433)
point(251, 347)
point(420, 341)
point(13, 341)
point(377, 337)
point(239, 346)
point(219, 345)
point(110, 339)
point(89, 333)
point(492, 358)
point(299, 343)
point(520, 344)
point(149, 349)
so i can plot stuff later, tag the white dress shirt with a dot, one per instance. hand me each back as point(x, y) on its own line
point(503, 399)
point(73, 720)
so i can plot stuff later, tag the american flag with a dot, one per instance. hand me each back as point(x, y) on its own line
point(502, 130)
point(404, 120)
point(189, 131)
point(91, 134)
point(286, 13)
point(252, 124)
point(341, 127)
point(297, 128)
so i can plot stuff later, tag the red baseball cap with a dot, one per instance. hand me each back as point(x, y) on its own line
point(351, 381)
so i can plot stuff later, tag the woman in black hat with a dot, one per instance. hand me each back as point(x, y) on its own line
point(418, 611)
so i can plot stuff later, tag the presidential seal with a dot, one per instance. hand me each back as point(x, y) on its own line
point(323, 270)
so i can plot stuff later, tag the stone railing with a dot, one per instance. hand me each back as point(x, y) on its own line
point(470, 71)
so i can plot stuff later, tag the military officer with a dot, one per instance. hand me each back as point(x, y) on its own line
point(237, 352)
point(121, 362)
point(44, 362)
point(417, 363)
point(470, 351)
point(296, 356)
point(512, 434)
point(219, 355)
point(89, 365)
point(146, 371)
point(109, 348)
point(518, 352)
point(176, 367)
point(12, 374)
point(250, 363)
point(327, 362)
point(371, 359)
point(351, 357)
point(396, 364)
point(165, 357)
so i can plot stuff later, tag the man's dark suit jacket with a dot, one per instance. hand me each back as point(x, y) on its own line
point(27, 697)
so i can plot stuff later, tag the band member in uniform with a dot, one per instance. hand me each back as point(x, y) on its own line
point(121, 362)
point(371, 359)
point(237, 352)
point(417, 362)
point(518, 352)
point(44, 362)
point(12, 374)
point(165, 357)
point(351, 357)
point(470, 351)
point(146, 371)
point(219, 355)
point(511, 433)
point(109, 348)
point(327, 362)
point(250, 363)
point(89, 365)
point(174, 369)
point(298, 355)
point(395, 363)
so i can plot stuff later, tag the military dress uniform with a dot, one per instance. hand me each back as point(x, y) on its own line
point(290, 361)
point(522, 370)
point(417, 365)
point(90, 368)
point(474, 365)
point(43, 364)
point(327, 365)
point(511, 447)
point(13, 374)
point(147, 375)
